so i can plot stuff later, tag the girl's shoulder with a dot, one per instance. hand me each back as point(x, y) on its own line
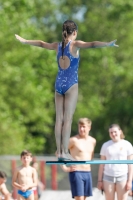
point(109, 142)
point(106, 144)
point(59, 43)
point(126, 142)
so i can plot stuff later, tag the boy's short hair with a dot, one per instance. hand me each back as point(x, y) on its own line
point(3, 175)
point(26, 153)
point(85, 121)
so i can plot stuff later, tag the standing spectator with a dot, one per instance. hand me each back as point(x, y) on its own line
point(115, 178)
point(25, 177)
point(81, 147)
point(3, 189)
point(40, 186)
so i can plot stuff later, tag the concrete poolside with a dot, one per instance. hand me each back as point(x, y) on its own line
point(66, 195)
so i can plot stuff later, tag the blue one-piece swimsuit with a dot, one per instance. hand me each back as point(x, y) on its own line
point(66, 78)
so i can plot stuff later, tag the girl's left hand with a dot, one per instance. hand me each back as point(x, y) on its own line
point(128, 185)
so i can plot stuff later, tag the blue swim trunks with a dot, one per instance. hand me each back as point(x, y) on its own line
point(81, 183)
point(25, 194)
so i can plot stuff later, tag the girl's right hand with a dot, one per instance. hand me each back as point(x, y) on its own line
point(20, 39)
point(100, 185)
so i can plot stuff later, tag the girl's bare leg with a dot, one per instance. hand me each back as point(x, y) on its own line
point(59, 101)
point(70, 102)
point(122, 194)
point(109, 190)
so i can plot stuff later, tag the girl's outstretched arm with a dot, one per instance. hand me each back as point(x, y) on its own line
point(95, 44)
point(39, 43)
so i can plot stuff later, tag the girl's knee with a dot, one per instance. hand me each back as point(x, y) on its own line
point(59, 120)
point(68, 117)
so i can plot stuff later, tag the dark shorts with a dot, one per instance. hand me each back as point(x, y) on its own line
point(81, 183)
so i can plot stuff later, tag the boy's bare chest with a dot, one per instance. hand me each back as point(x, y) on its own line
point(84, 146)
point(25, 172)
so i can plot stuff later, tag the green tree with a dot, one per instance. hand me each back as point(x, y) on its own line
point(27, 112)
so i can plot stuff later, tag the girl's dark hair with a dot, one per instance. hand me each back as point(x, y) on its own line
point(3, 175)
point(122, 136)
point(67, 29)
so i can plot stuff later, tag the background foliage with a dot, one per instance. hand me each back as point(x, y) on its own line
point(27, 73)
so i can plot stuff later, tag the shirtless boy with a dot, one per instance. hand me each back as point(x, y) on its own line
point(3, 189)
point(25, 177)
point(81, 147)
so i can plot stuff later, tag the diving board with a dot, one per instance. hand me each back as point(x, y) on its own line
point(91, 162)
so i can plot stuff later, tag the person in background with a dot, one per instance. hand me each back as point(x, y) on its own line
point(115, 178)
point(25, 177)
point(81, 147)
point(3, 189)
point(40, 186)
point(131, 191)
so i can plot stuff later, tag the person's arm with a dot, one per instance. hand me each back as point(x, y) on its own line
point(38, 43)
point(34, 178)
point(94, 144)
point(65, 168)
point(71, 142)
point(14, 180)
point(72, 167)
point(41, 185)
point(68, 169)
point(130, 174)
point(95, 44)
point(5, 192)
point(100, 174)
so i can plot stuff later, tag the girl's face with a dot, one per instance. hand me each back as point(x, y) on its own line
point(115, 134)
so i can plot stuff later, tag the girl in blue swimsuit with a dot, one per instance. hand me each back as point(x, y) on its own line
point(66, 85)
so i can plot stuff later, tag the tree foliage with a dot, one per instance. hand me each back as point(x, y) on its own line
point(27, 112)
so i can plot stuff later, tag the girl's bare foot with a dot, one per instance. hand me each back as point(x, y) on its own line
point(58, 155)
point(66, 156)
